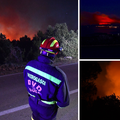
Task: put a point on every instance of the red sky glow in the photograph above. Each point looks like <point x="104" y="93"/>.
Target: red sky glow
<point x="104" y="19"/>
<point x="13" y="26"/>
<point x="26" y="17"/>
<point x="88" y="18"/>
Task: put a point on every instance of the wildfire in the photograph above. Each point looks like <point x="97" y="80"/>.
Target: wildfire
<point x="13" y="25"/>
<point x="104" y="19"/>
<point x="108" y="82"/>
<point x="110" y="26"/>
<point x="97" y="18"/>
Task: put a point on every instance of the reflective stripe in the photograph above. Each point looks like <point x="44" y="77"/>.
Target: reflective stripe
<point x="49" y="52"/>
<point x="32" y="118"/>
<point x="43" y="41"/>
<point x="31" y="94"/>
<point x="46" y="102"/>
<point x="43" y="74"/>
<point x="53" y="43"/>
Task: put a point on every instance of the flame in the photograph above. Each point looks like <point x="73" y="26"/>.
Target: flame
<point x="104" y="19"/>
<point x="113" y="75"/>
<point x="108" y="82"/>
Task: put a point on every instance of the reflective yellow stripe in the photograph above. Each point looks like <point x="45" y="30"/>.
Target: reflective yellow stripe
<point x="43" y="74"/>
<point x="48" y="102"/>
<point x="53" y="43"/>
<point x="32" y="118"/>
<point x="43" y="41"/>
<point x="31" y="94"/>
<point x="49" y="52"/>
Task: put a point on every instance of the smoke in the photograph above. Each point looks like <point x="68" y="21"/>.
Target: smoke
<point x="88" y="18"/>
<point x="26" y="17"/>
<point x="13" y="25"/>
<point x="108" y="82"/>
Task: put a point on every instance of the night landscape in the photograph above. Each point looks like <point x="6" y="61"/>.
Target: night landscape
<point x="99" y="31"/>
<point x="24" y="25"/>
<point x="99" y="60"/>
<point x="99" y="90"/>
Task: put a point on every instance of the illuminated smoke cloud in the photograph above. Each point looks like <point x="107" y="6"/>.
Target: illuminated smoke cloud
<point x="26" y="17"/>
<point x="15" y="23"/>
<point x="108" y="82"/>
<point x="12" y="25"/>
<point x="88" y="18"/>
<point x="104" y="19"/>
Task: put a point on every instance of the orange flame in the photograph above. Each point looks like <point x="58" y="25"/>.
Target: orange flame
<point x="108" y="82"/>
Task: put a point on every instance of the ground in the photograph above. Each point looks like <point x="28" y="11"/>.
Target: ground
<point x="15" y="68"/>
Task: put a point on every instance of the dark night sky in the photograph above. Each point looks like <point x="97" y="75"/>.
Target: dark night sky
<point x="20" y="17"/>
<point x="104" y="6"/>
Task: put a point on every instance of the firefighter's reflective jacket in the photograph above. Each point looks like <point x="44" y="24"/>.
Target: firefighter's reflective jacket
<point x="46" y="83"/>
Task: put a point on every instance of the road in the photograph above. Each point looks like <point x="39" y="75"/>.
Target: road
<point x="14" y="99"/>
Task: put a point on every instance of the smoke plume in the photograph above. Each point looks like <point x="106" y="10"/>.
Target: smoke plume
<point x="108" y="82"/>
<point x="26" y="17"/>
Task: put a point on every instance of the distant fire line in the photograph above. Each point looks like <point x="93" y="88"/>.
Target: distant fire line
<point x="110" y="26"/>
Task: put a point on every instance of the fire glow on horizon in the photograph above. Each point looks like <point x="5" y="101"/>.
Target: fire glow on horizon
<point x="13" y="26"/>
<point x="26" y="17"/>
<point x="104" y="19"/>
<point x="108" y="81"/>
<point x="97" y="18"/>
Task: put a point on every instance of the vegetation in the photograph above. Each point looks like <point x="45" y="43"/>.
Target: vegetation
<point x="26" y="49"/>
<point x="87" y="77"/>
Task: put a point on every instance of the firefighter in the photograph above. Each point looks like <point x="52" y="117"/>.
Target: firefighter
<point x="46" y="84"/>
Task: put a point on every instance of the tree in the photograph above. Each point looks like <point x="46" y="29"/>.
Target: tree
<point x="4" y="48"/>
<point x="39" y="36"/>
<point x="34" y="50"/>
<point x="89" y="72"/>
<point x="25" y="45"/>
<point x="2" y="37"/>
<point x="68" y="39"/>
<point x="15" y="55"/>
<point x="70" y="45"/>
<point x="50" y="31"/>
<point x="106" y="108"/>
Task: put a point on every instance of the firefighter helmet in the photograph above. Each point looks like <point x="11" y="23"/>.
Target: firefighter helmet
<point x="50" y="47"/>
